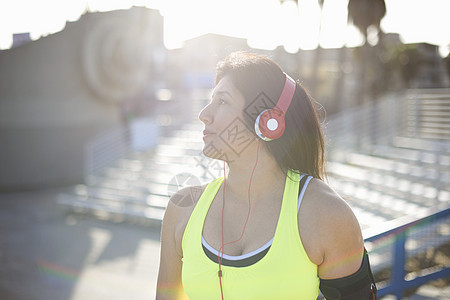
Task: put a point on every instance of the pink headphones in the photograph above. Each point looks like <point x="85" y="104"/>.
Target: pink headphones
<point x="269" y="125"/>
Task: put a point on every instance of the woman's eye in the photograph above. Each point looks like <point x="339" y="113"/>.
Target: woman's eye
<point x="222" y="101"/>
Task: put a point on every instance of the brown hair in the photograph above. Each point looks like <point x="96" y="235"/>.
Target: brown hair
<point x="301" y="147"/>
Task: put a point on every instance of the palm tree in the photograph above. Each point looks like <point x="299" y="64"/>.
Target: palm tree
<point x="365" y="14"/>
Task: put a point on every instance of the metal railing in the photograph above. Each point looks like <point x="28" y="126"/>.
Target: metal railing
<point x="406" y="240"/>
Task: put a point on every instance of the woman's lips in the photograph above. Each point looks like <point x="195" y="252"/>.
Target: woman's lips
<point x="207" y="133"/>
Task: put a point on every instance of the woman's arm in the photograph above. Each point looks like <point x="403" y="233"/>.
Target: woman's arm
<point x="177" y="214"/>
<point x="341" y="241"/>
<point x="330" y="232"/>
<point x="333" y="240"/>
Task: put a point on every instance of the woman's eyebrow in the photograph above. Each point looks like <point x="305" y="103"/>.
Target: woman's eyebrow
<point x="221" y="93"/>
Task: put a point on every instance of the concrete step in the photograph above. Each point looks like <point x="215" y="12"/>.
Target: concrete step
<point x="414" y="156"/>
<point x="116" y="195"/>
<point x="111" y="210"/>
<point x="374" y="207"/>
<point x="164" y="172"/>
<point x="431" y="174"/>
<point x="388" y="183"/>
<point x="422" y="144"/>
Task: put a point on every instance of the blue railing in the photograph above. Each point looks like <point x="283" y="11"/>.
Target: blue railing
<point x="398" y="283"/>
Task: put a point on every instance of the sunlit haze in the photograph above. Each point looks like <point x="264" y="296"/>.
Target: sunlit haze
<point x="265" y="23"/>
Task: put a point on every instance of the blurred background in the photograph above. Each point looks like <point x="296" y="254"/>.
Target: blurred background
<point x="98" y="127"/>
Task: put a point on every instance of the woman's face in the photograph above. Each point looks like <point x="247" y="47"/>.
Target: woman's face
<point x="226" y="136"/>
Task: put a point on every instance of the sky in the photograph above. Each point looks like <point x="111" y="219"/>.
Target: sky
<point x="265" y="23"/>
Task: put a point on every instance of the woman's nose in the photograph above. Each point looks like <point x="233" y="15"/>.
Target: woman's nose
<point x="205" y="115"/>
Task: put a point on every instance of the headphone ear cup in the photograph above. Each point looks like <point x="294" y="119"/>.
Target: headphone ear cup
<point x="270" y="124"/>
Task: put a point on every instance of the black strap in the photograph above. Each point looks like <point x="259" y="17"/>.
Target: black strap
<point x="301" y="184"/>
<point x="245" y="262"/>
<point x="358" y="286"/>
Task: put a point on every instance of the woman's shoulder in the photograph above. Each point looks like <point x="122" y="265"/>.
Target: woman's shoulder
<point x="178" y="211"/>
<point x="325" y="202"/>
<point x="182" y="203"/>
<point x="187" y="196"/>
<point x="330" y="224"/>
<point x="184" y="200"/>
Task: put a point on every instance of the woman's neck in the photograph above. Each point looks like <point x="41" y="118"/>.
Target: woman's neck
<point x="267" y="176"/>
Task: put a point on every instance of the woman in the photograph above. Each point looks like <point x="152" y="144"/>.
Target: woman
<point x="270" y="228"/>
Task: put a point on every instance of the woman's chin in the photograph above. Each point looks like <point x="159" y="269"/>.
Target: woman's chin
<point x="214" y="153"/>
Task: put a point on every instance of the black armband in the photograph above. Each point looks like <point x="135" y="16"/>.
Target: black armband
<point x="358" y="286"/>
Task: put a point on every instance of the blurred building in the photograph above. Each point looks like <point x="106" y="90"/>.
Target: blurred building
<point x="59" y="92"/>
<point x="428" y="68"/>
<point x="193" y="66"/>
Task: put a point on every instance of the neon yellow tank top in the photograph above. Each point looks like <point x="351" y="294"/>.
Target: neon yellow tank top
<point x="285" y="272"/>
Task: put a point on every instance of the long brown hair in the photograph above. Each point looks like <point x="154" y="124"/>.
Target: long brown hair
<point x="301" y="147"/>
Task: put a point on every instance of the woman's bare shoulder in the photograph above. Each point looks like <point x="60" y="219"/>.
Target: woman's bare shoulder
<point x="182" y="203"/>
<point x="323" y="202"/>
<point x="187" y="197"/>
<point x="331" y="225"/>
<point x="178" y="212"/>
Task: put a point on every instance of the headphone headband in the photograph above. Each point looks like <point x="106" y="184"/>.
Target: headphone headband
<point x="287" y="94"/>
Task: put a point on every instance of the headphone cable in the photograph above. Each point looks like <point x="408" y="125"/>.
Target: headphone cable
<point x="220" y="256"/>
